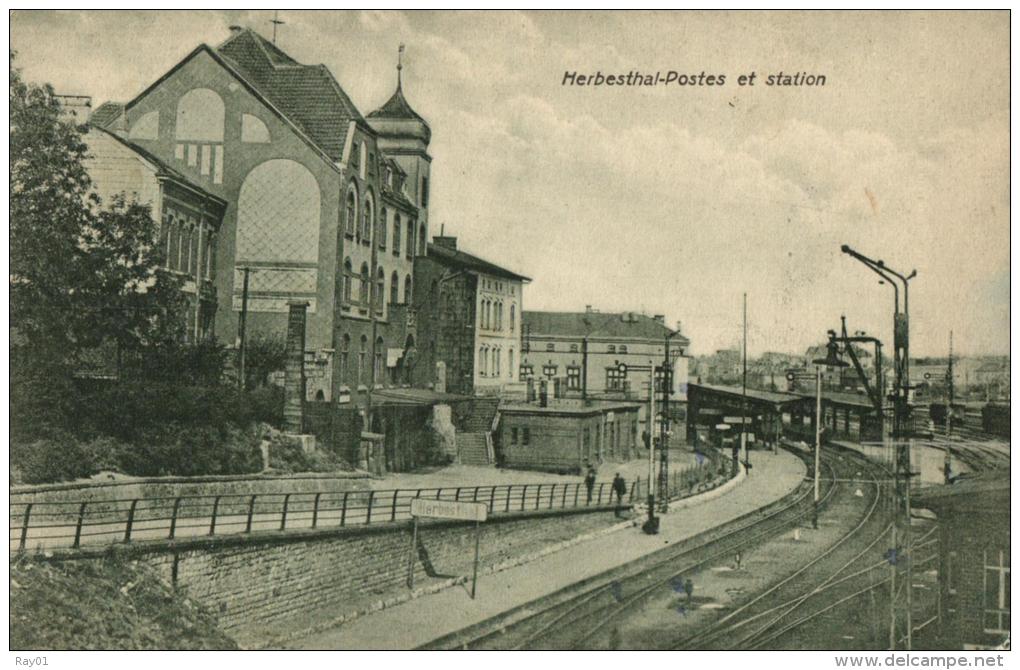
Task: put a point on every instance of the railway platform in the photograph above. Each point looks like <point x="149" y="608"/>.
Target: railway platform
<point x="421" y="620"/>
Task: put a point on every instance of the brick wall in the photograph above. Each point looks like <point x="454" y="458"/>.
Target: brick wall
<point x="268" y="585"/>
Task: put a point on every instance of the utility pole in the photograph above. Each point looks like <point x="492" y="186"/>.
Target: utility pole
<point x="651" y="527"/>
<point x="949" y="389"/>
<point x="242" y="326"/>
<point x="667" y="383"/>
<point x="743" y="402"/>
<point x="584" y="370"/>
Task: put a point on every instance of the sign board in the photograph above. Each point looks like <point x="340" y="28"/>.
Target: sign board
<point x="448" y="509"/>
<point x="736" y="420"/>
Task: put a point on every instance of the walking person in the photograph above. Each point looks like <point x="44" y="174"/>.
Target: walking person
<point x="619" y="488"/>
<point x="589" y="482"/>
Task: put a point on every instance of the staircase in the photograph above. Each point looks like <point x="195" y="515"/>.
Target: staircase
<point x="474" y="434"/>
<point x="481" y="416"/>
<point x="472" y="448"/>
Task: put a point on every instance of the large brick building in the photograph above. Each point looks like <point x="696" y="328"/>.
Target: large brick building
<point x="468" y="315"/>
<point x="324" y="205"/>
<point x="189" y="217"/>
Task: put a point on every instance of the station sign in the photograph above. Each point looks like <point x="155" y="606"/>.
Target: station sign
<point x="449" y="509"/>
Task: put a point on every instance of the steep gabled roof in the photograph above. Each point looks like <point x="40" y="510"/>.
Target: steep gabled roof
<point x="308" y="95"/>
<point x="162" y="168"/>
<point x="599" y="324"/>
<point x="466" y="261"/>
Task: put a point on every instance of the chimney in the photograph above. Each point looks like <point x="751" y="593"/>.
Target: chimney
<point x="661" y="318"/>
<point x="588" y="309"/>
<point x="679" y="326"/>
<point x="445" y="241"/>
<point x="235" y="29"/>
<point x="74" y="108"/>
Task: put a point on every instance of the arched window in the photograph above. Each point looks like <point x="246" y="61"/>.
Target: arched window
<point x="200" y="114"/>
<point x="380" y="289"/>
<point x="351" y="211"/>
<point x="510" y="365"/>
<point x="172" y="244"/>
<point x="182" y="247"/>
<point x="513" y="318"/>
<point x="382" y="229"/>
<point x="362" y="357"/>
<point x="363" y="292"/>
<point x="499" y="316"/>
<point x="407" y="289"/>
<point x="366" y="219"/>
<point x="482" y="355"/>
<point x="380" y="357"/>
<point x="410" y="239"/>
<point x="210" y="254"/>
<point x="348" y="279"/>
<point x="396" y="235"/>
<point x="196" y="236"/>
<point x="345" y="351"/>
<point x="394" y="288"/>
<point x="422" y="241"/>
<point x="495" y="361"/>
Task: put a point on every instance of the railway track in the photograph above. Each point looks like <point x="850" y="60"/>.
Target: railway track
<point x="587" y="615"/>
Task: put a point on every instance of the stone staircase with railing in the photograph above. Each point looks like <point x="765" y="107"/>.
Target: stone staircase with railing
<point x="474" y="433"/>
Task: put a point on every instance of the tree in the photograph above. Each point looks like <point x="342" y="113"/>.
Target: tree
<point x="80" y="275"/>
<point x="263" y="354"/>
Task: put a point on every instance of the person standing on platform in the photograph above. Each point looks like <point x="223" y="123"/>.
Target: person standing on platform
<point x="619" y="488"/>
<point x="589" y="482"/>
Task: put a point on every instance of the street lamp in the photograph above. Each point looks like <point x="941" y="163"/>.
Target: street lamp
<point x="831" y="360"/>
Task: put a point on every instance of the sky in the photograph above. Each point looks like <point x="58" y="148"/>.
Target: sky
<point x="667" y="200"/>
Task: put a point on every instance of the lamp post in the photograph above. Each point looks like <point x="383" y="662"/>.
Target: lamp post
<point x="831" y="360"/>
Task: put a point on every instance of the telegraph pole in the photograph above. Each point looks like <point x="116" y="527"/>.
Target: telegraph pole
<point x="743" y="402"/>
<point x="950" y="389"/>
<point x="667" y="375"/>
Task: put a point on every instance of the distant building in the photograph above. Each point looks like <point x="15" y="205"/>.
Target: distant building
<point x="603" y="356"/>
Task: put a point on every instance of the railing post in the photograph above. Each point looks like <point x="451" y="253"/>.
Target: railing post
<point x="577" y="493"/>
<point x="24" y="527"/>
<point x="130" y="520"/>
<point x="283" y="516"/>
<point x="77" y="528"/>
<point x="251" y="513"/>
<point x="563" y="503"/>
<point x="508" y="490"/>
<point x="315" y="510"/>
<point x="524" y="494"/>
<point x="492" y="500"/>
<point x="538" y="496"/>
<point x="212" y="521"/>
<point x="439" y="493"/>
<point x="368" y="512"/>
<point x="343" y="509"/>
<point x="173" y="518"/>
<point x="552" y="494"/>
<point x="457" y="495"/>
<point x="474" y="498"/>
<point x="601" y="486"/>
<point x="393" y="515"/>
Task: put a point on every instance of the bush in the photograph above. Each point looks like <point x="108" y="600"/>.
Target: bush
<point x="51" y="460"/>
<point x="266" y="404"/>
<point x="286" y="455"/>
<point x="189" y="451"/>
